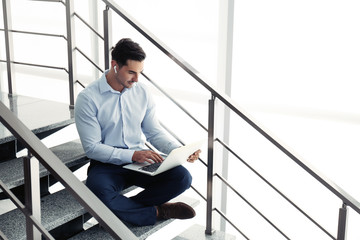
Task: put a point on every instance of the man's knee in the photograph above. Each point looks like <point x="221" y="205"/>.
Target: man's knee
<point x="185" y="177"/>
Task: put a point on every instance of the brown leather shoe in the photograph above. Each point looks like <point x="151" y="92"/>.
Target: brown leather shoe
<point x="176" y="210"/>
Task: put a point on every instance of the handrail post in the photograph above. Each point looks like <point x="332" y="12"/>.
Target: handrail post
<point x="342" y="222"/>
<point x="107" y="36"/>
<point x="8" y="42"/>
<point x="32" y="195"/>
<point x="210" y="170"/>
<point x="70" y="32"/>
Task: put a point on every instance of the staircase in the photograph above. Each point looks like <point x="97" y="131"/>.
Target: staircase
<point x="65" y="219"/>
<point x="61" y="214"/>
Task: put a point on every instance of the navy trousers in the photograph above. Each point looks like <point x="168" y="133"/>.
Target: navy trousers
<point x="106" y="181"/>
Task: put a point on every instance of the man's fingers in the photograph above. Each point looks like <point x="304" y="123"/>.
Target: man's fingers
<point x="146" y="156"/>
<point x="194" y="156"/>
<point x="155" y="157"/>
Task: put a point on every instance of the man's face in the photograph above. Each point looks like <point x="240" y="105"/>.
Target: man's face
<point x="128" y="74"/>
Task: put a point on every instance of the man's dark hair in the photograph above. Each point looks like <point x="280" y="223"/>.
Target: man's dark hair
<point x="126" y="49"/>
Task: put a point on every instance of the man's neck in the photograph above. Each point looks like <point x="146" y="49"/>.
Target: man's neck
<point x="110" y="79"/>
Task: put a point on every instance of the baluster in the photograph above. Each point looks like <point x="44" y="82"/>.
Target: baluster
<point x="107" y="36"/>
<point x="342" y="222"/>
<point x="8" y="43"/>
<point x="210" y="172"/>
<point x="70" y="33"/>
<point x="32" y="195"/>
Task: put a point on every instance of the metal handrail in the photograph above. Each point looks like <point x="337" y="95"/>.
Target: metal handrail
<point x="89" y="26"/>
<point x="54" y="165"/>
<point x="251" y="205"/>
<point x="37" y="65"/>
<point x="227" y="101"/>
<point x="272" y="186"/>
<point x="36" y="33"/>
<point x="174" y="101"/>
<point x="231" y="223"/>
<point x="157" y="86"/>
<point x="244" y="162"/>
<point x="347" y="199"/>
<point x="91" y="61"/>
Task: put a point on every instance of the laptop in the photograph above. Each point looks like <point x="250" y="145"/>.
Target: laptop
<point x="176" y="157"/>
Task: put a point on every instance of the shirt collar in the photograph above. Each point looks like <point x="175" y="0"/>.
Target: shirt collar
<point x="105" y="87"/>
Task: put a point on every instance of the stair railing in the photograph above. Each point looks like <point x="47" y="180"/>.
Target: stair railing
<point x="54" y="165"/>
<point x="228" y="102"/>
<point x="215" y="96"/>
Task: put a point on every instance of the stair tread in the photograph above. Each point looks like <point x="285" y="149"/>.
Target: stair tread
<point x="53" y="214"/>
<point x="98" y="233"/>
<point x="25" y="107"/>
<point x="56" y="209"/>
<point x="70" y="153"/>
<point x="198" y="232"/>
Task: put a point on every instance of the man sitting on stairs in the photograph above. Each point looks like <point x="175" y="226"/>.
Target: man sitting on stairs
<point x="111" y="114"/>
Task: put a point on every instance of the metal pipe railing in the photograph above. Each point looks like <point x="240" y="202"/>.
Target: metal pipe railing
<point x="5" y="4"/>
<point x="230" y="222"/>
<point x="87" y="58"/>
<point x="35" y="222"/>
<point x="174" y="101"/>
<point x="340" y="193"/>
<point x="37" y="65"/>
<point x="88" y="25"/>
<point x="223" y="98"/>
<point x="107" y="37"/>
<point x="210" y="167"/>
<point x="75" y="187"/>
<point x="239" y="158"/>
<point x="36" y="33"/>
<point x="273" y="187"/>
<point x="32" y="194"/>
<point x="251" y="205"/>
<point x="342" y="222"/>
<point x="70" y="34"/>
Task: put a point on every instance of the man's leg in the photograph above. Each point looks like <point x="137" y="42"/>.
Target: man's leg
<point x="106" y="181"/>
<point x="162" y="187"/>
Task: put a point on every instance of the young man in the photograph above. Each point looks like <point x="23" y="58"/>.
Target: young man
<point x="112" y="114"/>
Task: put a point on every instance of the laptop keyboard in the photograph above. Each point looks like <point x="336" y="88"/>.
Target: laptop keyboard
<point x="152" y="167"/>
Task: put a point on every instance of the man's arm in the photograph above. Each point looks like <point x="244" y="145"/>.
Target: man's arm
<point x="153" y="131"/>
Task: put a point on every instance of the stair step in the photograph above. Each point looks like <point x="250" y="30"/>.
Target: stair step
<point x="198" y="232"/>
<point x="98" y="233"/>
<point x="70" y="153"/>
<point x="56" y="210"/>
<point x="34" y="113"/>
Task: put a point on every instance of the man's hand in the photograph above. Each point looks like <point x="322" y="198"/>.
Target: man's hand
<point x="146" y="156"/>
<point x="194" y="156"/>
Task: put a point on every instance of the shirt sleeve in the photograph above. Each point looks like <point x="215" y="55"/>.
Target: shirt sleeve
<point x="89" y="131"/>
<point x="153" y="131"/>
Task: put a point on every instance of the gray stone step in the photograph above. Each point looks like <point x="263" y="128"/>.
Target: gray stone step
<point x="41" y="116"/>
<point x="70" y="153"/>
<point x="56" y="209"/>
<point x="198" y="232"/>
<point x="98" y="233"/>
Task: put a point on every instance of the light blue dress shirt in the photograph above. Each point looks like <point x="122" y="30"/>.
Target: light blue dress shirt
<point x="112" y="125"/>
